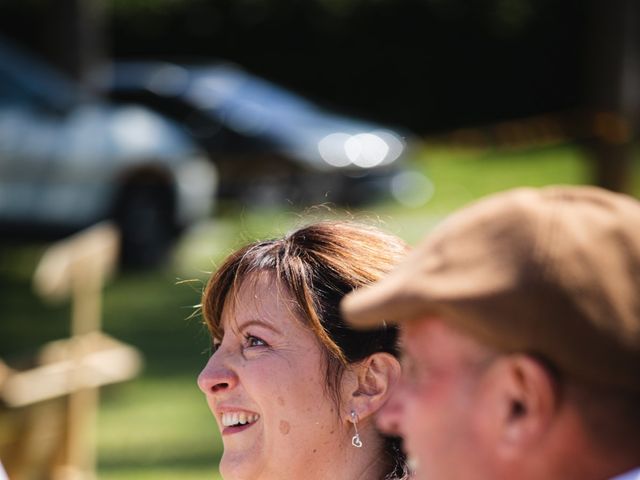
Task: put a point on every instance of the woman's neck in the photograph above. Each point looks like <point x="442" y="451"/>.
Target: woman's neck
<point x="366" y="463"/>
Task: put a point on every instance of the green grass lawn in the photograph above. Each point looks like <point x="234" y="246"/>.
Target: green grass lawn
<point x="158" y="426"/>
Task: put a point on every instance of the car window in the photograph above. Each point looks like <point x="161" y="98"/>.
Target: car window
<point x="28" y="81"/>
<point x="14" y="93"/>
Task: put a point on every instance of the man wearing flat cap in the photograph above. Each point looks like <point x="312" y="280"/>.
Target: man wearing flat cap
<point x="520" y="321"/>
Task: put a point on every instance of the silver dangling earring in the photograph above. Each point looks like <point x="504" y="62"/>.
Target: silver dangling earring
<point x="355" y="441"/>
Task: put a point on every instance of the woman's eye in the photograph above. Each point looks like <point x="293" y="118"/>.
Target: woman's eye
<point x="253" y="341"/>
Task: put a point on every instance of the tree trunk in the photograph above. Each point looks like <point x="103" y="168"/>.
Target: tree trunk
<point x="77" y="36"/>
<point x="613" y="100"/>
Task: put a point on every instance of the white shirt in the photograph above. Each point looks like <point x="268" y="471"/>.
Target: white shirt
<point x="3" y="474"/>
<point x="630" y="475"/>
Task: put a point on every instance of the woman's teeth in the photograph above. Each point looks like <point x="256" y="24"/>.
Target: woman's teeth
<point x="238" y="418"/>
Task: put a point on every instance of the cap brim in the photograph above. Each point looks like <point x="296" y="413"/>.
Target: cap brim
<point x="389" y="301"/>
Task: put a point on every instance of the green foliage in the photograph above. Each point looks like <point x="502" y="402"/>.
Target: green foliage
<point x="146" y="5"/>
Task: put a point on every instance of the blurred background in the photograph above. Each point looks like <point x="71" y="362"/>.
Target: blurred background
<point x="194" y="126"/>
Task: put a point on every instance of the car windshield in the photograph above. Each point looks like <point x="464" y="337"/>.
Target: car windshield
<point x="228" y="86"/>
<point x="238" y="98"/>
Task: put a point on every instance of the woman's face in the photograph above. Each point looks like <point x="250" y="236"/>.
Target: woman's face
<point x="265" y="385"/>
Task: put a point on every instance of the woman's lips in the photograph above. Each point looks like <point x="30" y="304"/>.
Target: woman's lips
<point x="235" y="421"/>
<point x="236" y="428"/>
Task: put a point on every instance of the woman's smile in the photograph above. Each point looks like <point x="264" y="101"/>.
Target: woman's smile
<point x="237" y="421"/>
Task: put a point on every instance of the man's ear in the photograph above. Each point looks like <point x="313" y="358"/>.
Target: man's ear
<point x="525" y="401"/>
<point x="375" y="377"/>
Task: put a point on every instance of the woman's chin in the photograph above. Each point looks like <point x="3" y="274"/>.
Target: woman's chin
<point x="238" y="466"/>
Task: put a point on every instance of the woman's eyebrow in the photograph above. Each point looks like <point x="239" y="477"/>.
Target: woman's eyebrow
<point x="258" y="323"/>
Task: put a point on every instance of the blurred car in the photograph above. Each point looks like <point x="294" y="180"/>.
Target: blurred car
<point x="268" y="143"/>
<point x="69" y="159"/>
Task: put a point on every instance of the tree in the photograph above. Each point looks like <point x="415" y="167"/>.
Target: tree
<point x="76" y="36"/>
<point x="613" y="100"/>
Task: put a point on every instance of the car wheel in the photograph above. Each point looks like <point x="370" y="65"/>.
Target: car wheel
<point x="145" y="217"/>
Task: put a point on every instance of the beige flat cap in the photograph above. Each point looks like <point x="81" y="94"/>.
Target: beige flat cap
<point x="552" y="271"/>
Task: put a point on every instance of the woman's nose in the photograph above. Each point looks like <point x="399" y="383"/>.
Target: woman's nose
<point x="216" y="377"/>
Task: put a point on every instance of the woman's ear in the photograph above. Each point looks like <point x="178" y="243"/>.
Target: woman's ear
<point x="375" y="377"/>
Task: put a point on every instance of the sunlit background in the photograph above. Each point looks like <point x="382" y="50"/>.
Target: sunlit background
<point x="185" y="128"/>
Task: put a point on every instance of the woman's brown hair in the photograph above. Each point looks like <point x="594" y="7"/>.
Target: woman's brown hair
<point x="317" y="265"/>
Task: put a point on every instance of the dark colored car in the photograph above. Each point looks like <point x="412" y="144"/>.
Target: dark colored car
<point x="69" y="159"/>
<point x="268" y="143"/>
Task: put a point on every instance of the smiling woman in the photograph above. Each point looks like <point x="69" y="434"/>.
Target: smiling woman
<point x="293" y="389"/>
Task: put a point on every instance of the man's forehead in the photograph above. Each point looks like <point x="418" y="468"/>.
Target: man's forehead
<point x="435" y="336"/>
<point x="419" y="324"/>
<point x="414" y="333"/>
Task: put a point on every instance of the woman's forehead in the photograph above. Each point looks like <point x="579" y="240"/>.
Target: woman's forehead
<point x="260" y="295"/>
